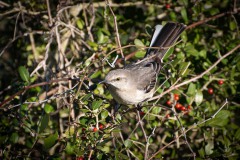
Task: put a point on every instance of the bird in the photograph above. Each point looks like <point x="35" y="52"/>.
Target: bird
<point x="136" y="82"/>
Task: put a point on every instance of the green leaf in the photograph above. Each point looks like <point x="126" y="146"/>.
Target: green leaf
<point x="169" y="52"/>
<point x="198" y="97"/>
<point x="24" y="74"/>
<point x="156" y="110"/>
<point x="232" y="25"/>
<point x="50" y="140"/>
<point x="100" y="36"/>
<point x="209" y="148"/>
<point x="69" y="149"/>
<point x="48" y="108"/>
<point x="86" y="97"/>
<point x="214" y="11"/>
<point x="83" y="121"/>
<point x="203" y="53"/>
<point x="184" y="15"/>
<point x="128" y="143"/>
<point x="140" y="54"/>
<point x="96" y="74"/>
<point x="14" y="137"/>
<point x="138" y="42"/>
<point x="104" y="114"/>
<point x="44" y="123"/>
<point x="191" y="50"/>
<point x="80" y="23"/>
<point x="191" y="89"/>
<point x="96" y="104"/>
<point x="148" y="30"/>
<point x="220" y="120"/>
<point x="237" y="134"/>
<point x="183" y="67"/>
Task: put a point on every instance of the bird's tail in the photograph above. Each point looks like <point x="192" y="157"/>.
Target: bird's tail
<point x="164" y="37"/>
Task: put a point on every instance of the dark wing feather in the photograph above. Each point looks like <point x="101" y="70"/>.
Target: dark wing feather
<point x="166" y="38"/>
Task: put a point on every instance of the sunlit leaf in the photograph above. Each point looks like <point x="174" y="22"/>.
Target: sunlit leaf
<point x="140" y="54"/>
<point x="50" y="140"/>
<point x="221" y="119"/>
<point x="191" y="89"/>
<point x="24" y="74"/>
<point x="209" y="148"/>
<point x="104" y="114"/>
<point x="183" y="67"/>
<point x="96" y="104"/>
<point x="184" y="15"/>
<point x="199" y="97"/>
<point x="48" y="108"/>
<point x="100" y="36"/>
<point x="128" y="143"/>
<point x="138" y="42"/>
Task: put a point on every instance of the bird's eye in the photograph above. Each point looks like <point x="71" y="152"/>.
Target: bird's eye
<point x="118" y="79"/>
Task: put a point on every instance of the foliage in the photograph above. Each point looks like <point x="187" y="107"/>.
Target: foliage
<point x="52" y="106"/>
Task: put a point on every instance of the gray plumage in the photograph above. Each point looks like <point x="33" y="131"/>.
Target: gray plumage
<point x="136" y="82"/>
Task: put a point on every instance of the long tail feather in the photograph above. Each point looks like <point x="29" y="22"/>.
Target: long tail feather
<point x="164" y="37"/>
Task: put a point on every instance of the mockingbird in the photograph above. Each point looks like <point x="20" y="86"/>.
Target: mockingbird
<point x="136" y="82"/>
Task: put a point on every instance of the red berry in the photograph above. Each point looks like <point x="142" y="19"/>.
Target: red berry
<point x="210" y="90"/>
<point x="178" y="106"/>
<point x="220" y="82"/>
<point x="169" y="103"/>
<point x="167" y="6"/>
<point x="95" y="129"/>
<point x="189" y="107"/>
<point x="83" y="129"/>
<point x="176" y="97"/>
<point x="80" y="158"/>
<point x="101" y="126"/>
<point x="182" y="108"/>
<point x="142" y="113"/>
<point x="167" y="115"/>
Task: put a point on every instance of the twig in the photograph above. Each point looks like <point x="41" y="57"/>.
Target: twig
<point x="49" y="13"/>
<point x="147" y="145"/>
<point x="184" y="133"/>
<point x="141" y="125"/>
<point x="212" y="18"/>
<point x="20" y="36"/>
<point x="197" y="77"/>
<point x="190" y="128"/>
<point x="33" y="86"/>
<point x="116" y="29"/>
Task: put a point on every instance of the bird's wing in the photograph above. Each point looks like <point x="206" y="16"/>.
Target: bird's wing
<point x="145" y="75"/>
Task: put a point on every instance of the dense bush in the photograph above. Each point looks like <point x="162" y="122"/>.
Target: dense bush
<point x="54" y="54"/>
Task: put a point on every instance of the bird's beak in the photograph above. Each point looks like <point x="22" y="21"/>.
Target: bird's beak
<point x="103" y="82"/>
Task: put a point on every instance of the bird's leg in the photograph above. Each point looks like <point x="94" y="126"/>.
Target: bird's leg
<point x="139" y="106"/>
<point x="116" y="108"/>
<point x="124" y="61"/>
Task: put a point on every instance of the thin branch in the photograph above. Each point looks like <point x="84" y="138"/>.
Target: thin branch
<point x="147" y="145"/>
<point x="184" y="133"/>
<point x="212" y="18"/>
<point x="197" y="77"/>
<point x="141" y="125"/>
<point x="49" y="13"/>
<point x="190" y="128"/>
<point x="33" y="86"/>
<point x="116" y="29"/>
<point x="20" y="36"/>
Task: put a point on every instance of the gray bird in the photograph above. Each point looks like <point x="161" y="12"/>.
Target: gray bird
<point x="136" y="82"/>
